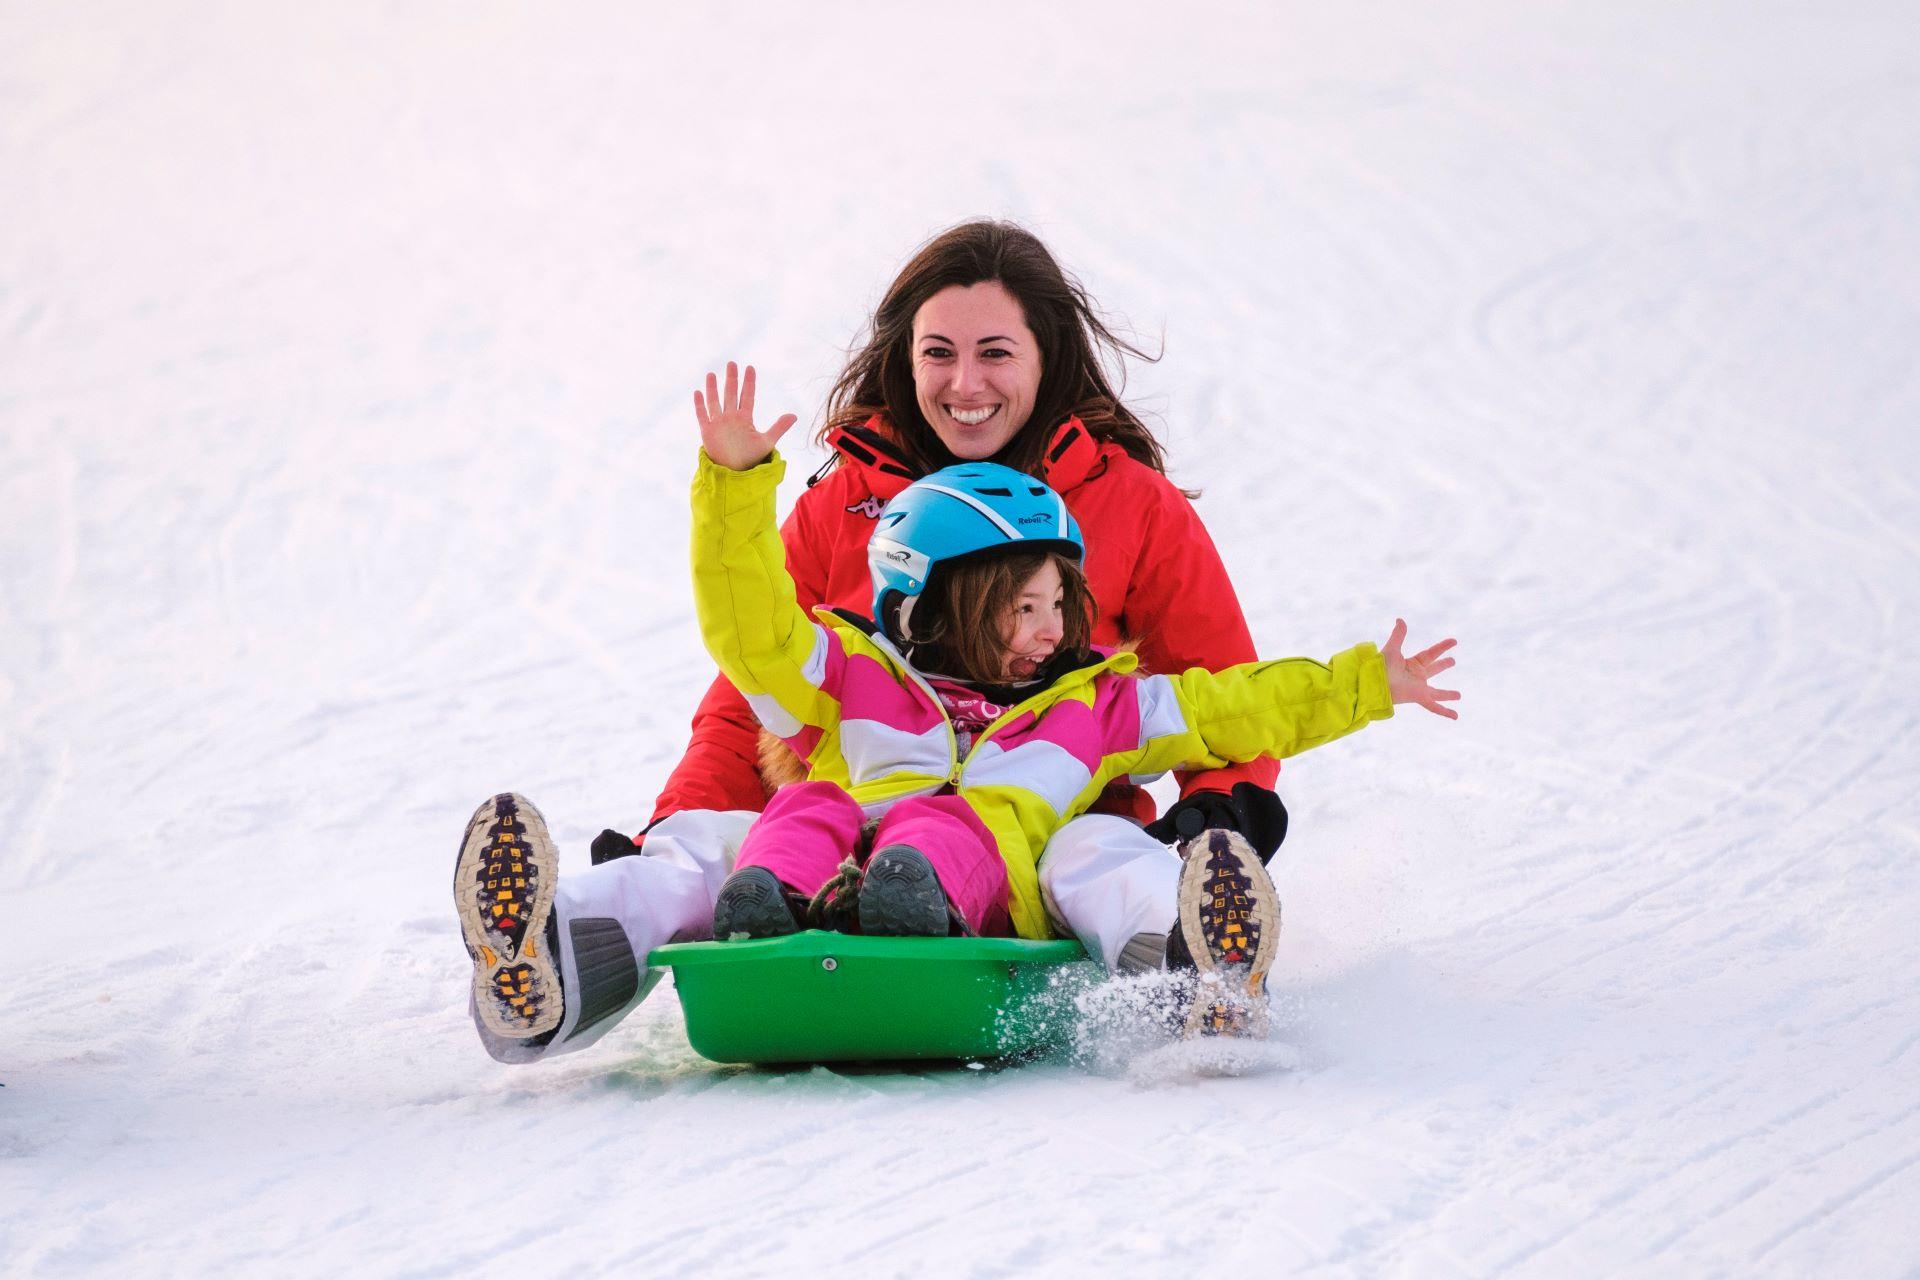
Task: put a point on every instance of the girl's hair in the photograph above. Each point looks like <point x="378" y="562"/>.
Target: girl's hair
<point x="959" y="622"/>
<point x="878" y="377"/>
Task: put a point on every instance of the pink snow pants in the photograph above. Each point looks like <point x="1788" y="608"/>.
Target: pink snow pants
<point x="809" y="827"/>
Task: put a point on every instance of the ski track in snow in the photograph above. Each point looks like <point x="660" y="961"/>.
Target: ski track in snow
<point x="344" y="361"/>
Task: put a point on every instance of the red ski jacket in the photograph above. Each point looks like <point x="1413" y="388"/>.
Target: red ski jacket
<point x="1155" y="575"/>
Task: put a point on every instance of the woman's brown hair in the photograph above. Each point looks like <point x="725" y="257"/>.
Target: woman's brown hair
<point x="1072" y="337"/>
<point x="958" y="623"/>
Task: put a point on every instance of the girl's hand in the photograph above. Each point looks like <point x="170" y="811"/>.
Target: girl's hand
<point x="726" y="425"/>
<point x="1407" y="677"/>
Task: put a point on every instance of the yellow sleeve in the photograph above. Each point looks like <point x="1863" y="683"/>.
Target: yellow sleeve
<point x="749" y="617"/>
<point x="1208" y="719"/>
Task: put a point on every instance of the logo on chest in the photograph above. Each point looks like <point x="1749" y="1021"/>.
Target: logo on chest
<point x="869" y="506"/>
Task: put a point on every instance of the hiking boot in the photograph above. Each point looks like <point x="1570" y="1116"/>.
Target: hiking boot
<point x="503" y="889"/>
<point x="752" y="903"/>
<point x="901" y="897"/>
<point x="1228" y="925"/>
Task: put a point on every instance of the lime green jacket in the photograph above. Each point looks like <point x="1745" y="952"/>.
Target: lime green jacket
<point x="858" y="713"/>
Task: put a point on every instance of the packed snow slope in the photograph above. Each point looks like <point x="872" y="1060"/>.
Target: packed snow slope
<point x="346" y="354"/>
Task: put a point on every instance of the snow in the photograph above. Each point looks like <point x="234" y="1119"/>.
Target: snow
<point x="345" y="365"/>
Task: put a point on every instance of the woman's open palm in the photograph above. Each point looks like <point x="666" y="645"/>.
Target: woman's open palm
<point x="727" y="432"/>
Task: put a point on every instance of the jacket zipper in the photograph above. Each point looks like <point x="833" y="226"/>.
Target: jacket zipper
<point x="956" y="767"/>
<point x="1017" y="709"/>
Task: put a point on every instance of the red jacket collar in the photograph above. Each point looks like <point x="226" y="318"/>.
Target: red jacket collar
<point x="1072" y="456"/>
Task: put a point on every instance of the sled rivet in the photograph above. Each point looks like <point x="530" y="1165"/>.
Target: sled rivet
<point x="829" y="964"/>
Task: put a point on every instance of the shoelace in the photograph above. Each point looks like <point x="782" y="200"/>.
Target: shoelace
<point x="836" y="906"/>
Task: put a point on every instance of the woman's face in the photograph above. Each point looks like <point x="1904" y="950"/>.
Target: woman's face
<point x="976" y="368"/>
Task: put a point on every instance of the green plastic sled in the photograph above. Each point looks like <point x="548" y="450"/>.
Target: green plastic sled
<point x="836" y="997"/>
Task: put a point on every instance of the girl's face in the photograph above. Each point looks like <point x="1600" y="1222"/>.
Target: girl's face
<point x="976" y="368"/>
<point x="1033" y="624"/>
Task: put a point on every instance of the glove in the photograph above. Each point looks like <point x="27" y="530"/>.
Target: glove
<point x="1253" y="811"/>
<point x="610" y="844"/>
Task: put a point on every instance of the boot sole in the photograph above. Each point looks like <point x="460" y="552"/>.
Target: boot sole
<point x="901" y="897"/>
<point x="752" y="903"/>
<point x="516" y="988"/>
<point x="1230" y="917"/>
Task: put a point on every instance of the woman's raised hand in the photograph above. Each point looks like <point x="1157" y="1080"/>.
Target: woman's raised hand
<point x="726" y="423"/>
<point x="1407" y="677"/>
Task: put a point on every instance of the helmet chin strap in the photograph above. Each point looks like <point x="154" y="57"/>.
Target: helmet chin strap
<point x="903" y="618"/>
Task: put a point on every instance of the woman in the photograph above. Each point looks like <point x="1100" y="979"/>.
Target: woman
<point x="981" y="349"/>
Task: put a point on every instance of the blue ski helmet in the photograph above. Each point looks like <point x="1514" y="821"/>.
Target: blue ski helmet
<point x="973" y="509"/>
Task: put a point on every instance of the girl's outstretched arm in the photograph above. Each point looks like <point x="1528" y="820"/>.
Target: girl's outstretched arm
<point x="1278" y="707"/>
<point x="727" y="432"/>
<point x="1407" y="677"/>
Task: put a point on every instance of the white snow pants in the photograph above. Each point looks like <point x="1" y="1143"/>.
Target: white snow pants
<point x="1102" y="878"/>
<point x="1105" y="880"/>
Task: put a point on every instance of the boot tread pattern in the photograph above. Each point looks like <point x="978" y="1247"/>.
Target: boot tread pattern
<point x="901" y="897"/>
<point x="1229" y="915"/>
<point x="503" y="888"/>
<point x="752" y="904"/>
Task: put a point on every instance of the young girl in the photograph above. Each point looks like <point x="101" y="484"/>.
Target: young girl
<point x="970" y="716"/>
